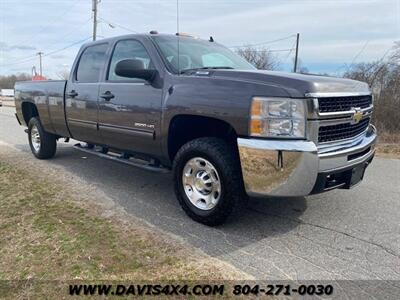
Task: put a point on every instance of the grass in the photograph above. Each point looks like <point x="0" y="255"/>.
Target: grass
<point x="47" y="235"/>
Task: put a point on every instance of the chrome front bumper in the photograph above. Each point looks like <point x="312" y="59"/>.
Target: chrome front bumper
<point x="298" y="168"/>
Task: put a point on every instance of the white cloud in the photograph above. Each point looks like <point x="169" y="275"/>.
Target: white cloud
<point x="332" y="32"/>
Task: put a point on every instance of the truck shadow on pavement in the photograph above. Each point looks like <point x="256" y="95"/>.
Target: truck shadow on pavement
<point x="150" y="196"/>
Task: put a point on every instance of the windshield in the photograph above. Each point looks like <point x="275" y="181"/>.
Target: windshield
<point x="198" y="54"/>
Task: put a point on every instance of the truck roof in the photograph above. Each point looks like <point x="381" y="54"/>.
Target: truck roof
<point x="138" y="35"/>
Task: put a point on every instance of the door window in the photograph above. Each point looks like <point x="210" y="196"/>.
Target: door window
<point x="91" y="63"/>
<point x="128" y="49"/>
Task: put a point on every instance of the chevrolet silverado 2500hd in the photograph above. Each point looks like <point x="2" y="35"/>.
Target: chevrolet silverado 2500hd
<point x="225" y="129"/>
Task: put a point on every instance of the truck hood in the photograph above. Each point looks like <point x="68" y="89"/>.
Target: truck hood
<point x="296" y="85"/>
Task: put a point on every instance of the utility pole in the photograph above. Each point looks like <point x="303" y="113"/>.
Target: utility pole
<point x="40" y="63"/>
<point x="297" y="53"/>
<point x="94" y="9"/>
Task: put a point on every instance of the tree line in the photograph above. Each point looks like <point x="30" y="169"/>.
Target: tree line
<point x="8" y="82"/>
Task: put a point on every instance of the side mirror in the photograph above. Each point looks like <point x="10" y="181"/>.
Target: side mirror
<point x="134" y="68"/>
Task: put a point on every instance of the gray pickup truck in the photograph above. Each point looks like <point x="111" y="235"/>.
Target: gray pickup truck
<point x="226" y="130"/>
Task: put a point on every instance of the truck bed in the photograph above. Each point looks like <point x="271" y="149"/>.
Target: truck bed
<point x="48" y="96"/>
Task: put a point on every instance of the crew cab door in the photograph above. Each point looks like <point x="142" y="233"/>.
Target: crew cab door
<point x="82" y="94"/>
<point x="129" y="108"/>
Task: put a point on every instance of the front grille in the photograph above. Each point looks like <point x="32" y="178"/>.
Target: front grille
<point x="341" y="131"/>
<point x="335" y="104"/>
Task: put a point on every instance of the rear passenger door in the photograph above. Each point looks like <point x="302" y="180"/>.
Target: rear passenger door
<point x="82" y="94"/>
<point x="130" y="120"/>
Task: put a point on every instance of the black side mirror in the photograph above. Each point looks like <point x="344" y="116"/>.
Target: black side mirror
<point x="134" y="68"/>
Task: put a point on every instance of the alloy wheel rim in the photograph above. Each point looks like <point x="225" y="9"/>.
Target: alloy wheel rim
<point x="35" y="138"/>
<point x="201" y="183"/>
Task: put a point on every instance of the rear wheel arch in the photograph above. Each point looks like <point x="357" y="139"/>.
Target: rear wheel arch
<point x="184" y="128"/>
<point x="29" y="111"/>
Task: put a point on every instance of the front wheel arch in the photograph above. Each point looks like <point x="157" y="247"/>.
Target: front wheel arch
<point x="184" y="128"/>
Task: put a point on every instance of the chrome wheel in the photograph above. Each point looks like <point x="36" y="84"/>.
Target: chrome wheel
<point x="201" y="183"/>
<point x="35" y="138"/>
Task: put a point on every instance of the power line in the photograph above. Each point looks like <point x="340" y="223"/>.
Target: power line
<point x="381" y="59"/>
<point x="113" y="24"/>
<point x="290" y="52"/>
<point x="75" y="28"/>
<point x="372" y="65"/>
<point x="66" y="47"/>
<point x="49" y="53"/>
<point x="56" y="20"/>
<point x="272" y="50"/>
<point x="22" y="60"/>
<point x="265" y="43"/>
<point x="357" y="55"/>
<point x="29" y="57"/>
<point x="42" y="29"/>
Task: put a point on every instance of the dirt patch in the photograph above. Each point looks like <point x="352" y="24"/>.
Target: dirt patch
<point x="388" y="150"/>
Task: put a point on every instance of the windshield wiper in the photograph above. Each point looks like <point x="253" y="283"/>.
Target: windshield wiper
<point x="204" y="68"/>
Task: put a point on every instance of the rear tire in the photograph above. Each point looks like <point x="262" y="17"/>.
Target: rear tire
<point x="208" y="180"/>
<point x="43" y="144"/>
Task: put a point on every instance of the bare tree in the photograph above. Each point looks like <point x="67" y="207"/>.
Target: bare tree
<point x="8" y="82"/>
<point x="396" y="52"/>
<point x="383" y="76"/>
<point x="301" y="68"/>
<point x="260" y="58"/>
<point x="63" y="74"/>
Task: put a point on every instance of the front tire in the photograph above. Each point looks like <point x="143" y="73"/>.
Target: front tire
<point x="43" y="144"/>
<point x="208" y="180"/>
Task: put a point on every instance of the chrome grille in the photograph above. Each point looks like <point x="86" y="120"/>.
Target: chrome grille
<point x="341" y="131"/>
<point x="346" y="103"/>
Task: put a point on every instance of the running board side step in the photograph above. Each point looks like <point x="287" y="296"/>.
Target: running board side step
<point x="139" y="163"/>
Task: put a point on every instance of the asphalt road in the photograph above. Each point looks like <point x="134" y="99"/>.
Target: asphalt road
<point x="343" y="234"/>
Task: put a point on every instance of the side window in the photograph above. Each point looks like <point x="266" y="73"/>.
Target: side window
<point x="91" y="62"/>
<point x="128" y="49"/>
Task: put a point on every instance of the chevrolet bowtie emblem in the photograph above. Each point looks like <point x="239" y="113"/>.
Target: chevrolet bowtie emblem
<point x="357" y="116"/>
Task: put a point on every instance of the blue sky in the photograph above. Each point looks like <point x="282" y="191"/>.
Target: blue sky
<point x="333" y="33"/>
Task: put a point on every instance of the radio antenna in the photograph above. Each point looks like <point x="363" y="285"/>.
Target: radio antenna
<point x="177" y="34"/>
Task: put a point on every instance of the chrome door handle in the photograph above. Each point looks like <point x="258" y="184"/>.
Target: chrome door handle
<point x="107" y="96"/>
<point x="72" y="94"/>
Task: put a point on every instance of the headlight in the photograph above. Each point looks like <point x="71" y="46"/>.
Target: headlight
<point x="277" y="117"/>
